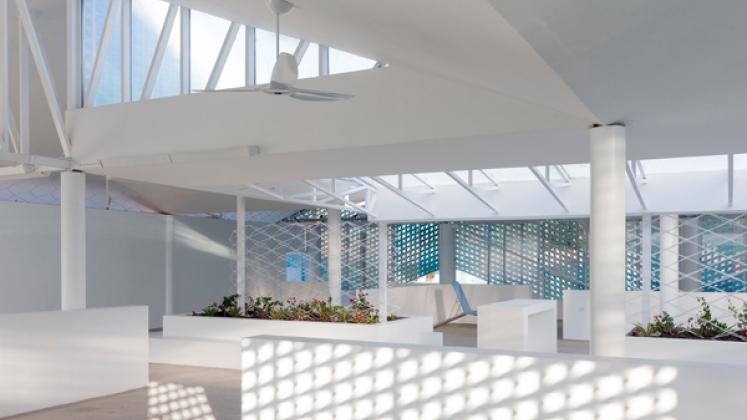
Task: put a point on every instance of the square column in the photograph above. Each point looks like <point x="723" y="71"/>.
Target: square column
<point x="73" y="240"/>
<point x="446" y="253"/>
<point x="607" y="240"/>
<point x="669" y="277"/>
<point x="334" y="255"/>
<point x="383" y="259"/>
<point x="241" y="252"/>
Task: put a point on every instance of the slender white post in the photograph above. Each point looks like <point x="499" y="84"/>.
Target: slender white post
<point x="669" y="272"/>
<point x="250" y="56"/>
<point x="607" y="240"/>
<point x="241" y="251"/>
<point x="73" y="240"/>
<point x="24" y="108"/>
<point x="169" y="266"/>
<point x="646" y="269"/>
<point x="383" y="258"/>
<point x="74" y="89"/>
<point x="4" y="94"/>
<point x="446" y="253"/>
<point x="126" y="50"/>
<point x="334" y="254"/>
<point x="185" y="39"/>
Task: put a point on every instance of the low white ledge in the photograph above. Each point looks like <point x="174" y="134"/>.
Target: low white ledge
<point x="519" y="325"/>
<point x="215" y="342"/>
<point x="60" y="357"/>
<point x="682" y="349"/>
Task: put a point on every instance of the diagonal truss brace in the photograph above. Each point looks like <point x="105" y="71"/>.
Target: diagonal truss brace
<point x="339" y="197"/>
<point x="472" y="191"/>
<point x="402" y="195"/>
<point x="541" y="178"/>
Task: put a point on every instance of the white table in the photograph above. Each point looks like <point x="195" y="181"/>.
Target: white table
<point x="519" y="325"/>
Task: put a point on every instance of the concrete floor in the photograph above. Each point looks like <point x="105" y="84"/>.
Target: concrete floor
<point x="175" y="393"/>
<point x="189" y="393"/>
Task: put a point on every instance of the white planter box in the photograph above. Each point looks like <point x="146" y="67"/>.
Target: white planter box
<point x="682" y="349"/>
<point x="187" y="339"/>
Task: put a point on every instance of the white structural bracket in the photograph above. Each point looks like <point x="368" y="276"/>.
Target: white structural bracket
<point x="634" y="184"/>
<point x="398" y="192"/>
<point x="472" y="191"/>
<point x="339" y="197"/>
<point x="548" y="187"/>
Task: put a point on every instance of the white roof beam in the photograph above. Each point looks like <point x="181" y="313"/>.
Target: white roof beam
<point x="220" y="61"/>
<point x="45" y="76"/>
<point x="280" y="197"/>
<point x="472" y="191"/>
<point x="300" y="52"/>
<point x="641" y="171"/>
<point x="339" y="197"/>
<point x="163" y="41"/>
<point x="424" y="182"/>
<point x="548" y="187"/>
<point x="634" y="184"/>
<point x="562" y="172"/>
<point x="402" y="195"/>
<point x="112" y="13"/>
<point x="489" y="178"/>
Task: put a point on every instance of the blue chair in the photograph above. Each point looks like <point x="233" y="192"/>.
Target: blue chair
<point x="463" y="303"/>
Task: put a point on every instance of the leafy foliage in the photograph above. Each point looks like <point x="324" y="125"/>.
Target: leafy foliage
<point x="703" y="326"/>
<point x="361" y="311"/>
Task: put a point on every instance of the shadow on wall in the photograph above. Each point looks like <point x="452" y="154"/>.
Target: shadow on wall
<point x="286" y="379"/>
<point x="191" y="237"/>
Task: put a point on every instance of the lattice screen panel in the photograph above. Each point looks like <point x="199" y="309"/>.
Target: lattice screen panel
<point x="414" y="252"/>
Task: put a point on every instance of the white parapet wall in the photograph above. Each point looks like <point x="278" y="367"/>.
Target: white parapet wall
<point x="704" y="351"/>
<point x="440" y="302"/>
<point x="285" y="378"/>
<point x="60" y="357"/>
<point x="216" y="342"/>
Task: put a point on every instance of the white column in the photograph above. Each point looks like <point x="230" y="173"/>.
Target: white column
<point x="73" y="239"/>
<point x="4" y="93"/>
<point x="241" y="251"/>
<point x="383" y="258"/>
<point x="169" y="266"/>
<point x="446" y="253"/>
<point x="646" y="269"/>
<point x="670" y="266"/>
<point x="334" y="254"/>
<point x="607" y="240"/>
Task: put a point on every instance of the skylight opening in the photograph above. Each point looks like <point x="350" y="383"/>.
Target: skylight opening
<point x="686" y="164"/>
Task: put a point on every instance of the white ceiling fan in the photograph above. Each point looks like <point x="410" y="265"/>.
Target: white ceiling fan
<point x="285" y="71"/>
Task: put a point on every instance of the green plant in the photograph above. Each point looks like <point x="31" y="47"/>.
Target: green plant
<point x="741" y="317"/>
<point x="662" y="326"/>
<point x="705" y="325"/>
<point x="361" y="311"/>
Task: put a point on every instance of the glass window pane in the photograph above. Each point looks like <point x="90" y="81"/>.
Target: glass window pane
<point x="344" y="62"/>
<point x="265" y="52"/>
<point x="207" y="35"/>
<point x="687" y="164"/>
<point x="94" y="16"/>
<point x="148" y="17"/>
<point x="309" y="66"/>
<point x="233" y="73"/>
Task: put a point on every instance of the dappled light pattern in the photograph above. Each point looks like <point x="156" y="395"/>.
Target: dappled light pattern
<point x="178" y="402"/>
<point x="285" y="379"/>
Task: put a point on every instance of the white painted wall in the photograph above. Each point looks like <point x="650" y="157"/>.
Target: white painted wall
<point x="60" y="357"/>
<point x="354" y="380"/>
<point x="126" y="260"/>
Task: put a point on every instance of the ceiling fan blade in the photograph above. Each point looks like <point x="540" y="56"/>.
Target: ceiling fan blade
<point x="317" y="95"/>
<point x="243" y="89"/>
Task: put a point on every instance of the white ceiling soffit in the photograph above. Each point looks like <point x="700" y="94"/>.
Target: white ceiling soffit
<point x="468" y="41"/>
<point x="672" y="70"/>
<point x="394" y="110"/>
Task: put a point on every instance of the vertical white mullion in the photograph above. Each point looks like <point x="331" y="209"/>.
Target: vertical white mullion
<point x="163" y="41"/>
<point x="241" y="251"/>
<point x="383" y="254"/>
<point x="4" y="94"/>
<point x="250" y="56"/>
<point x="126" y="43"/>
<point x="220" y="61"/>
<point x="98" y="65"/>
<point x="185" y="51"/>
<point x="74" y="64"/>
<point x="323" y="60"/>
<point x="23" y="94"/>
<point x="646" y="269"/>
<point x="730" y="181"/>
